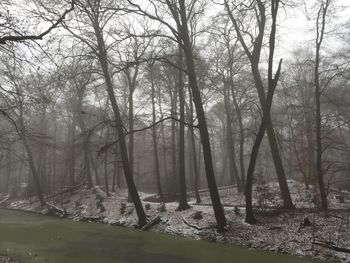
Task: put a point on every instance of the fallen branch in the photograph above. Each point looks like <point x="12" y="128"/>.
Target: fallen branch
<point x="332" y="247"/>
<point x="152" y="223"/>
<point x="71" y="189"/>
<point x="193" y="226"/>
<point x="6" y="199"/>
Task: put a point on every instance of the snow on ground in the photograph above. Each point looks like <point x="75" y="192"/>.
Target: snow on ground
<point x="277" y="230"/>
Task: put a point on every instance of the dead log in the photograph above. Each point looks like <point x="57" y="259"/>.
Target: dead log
<point x="331" y="246"/>
<point x="156" y="220"/>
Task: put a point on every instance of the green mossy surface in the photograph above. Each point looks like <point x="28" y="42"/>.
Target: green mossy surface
<point x="35" y="238"/>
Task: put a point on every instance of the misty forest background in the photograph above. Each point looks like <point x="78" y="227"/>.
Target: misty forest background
<point x="169" y="97"/>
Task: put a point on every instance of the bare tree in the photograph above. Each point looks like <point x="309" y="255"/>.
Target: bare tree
<point x="259" y="7"/>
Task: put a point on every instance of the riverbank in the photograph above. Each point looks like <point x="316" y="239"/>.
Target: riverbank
<point x="33" y="238"/>
<point x="278" y="231"/>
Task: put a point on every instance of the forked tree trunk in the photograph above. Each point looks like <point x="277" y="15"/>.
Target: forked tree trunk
<point x="254" y="57"/>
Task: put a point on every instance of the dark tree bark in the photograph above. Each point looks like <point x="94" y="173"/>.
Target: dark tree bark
<point x="106" y="172"/>
<point x="173" y="138"/>
<point x="203" y="129"/>
<point x="193" y="153"/>
<point x="154" y="135"/>
<point x="234" y="174"/>
<point x="320" y="28"/>
<point x="241" y="134"/>
<point x="254" y="58"/>
<point x="183" y="205"/>
<point x="71" y="147"/>
<point x="102" y="56"/>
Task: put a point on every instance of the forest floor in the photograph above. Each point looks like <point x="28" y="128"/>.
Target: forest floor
<point x="277" y="230"/>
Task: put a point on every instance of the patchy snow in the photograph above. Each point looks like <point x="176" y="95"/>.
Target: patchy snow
<point x="277" y="230"/>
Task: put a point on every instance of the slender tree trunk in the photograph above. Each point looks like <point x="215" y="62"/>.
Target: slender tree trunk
<point x="163" y="134"/>
<point x="87" y="167"/>
<point x="250" y="219"/>
<point x="115" y="168"/>
<point x="193" y="151"/>
<point x="54" y="165"/>
<point x="121" y="135"/>
<point x="32" y="166"/>
<point x="8" y="173"/>
<point x="93" y="163"/>
<point x="321" y="18"/>
<point x="106" y="172"/>
<point x="183" y="205"/>
<point x="241" y="134"/>
<point x="214" y="194"/>
<point x="230" y="142"/>
<point x="131" y="127"/>
<point x="154" y="136"/>
<point x="173" y="140"/>
<point x="72" y="150"/>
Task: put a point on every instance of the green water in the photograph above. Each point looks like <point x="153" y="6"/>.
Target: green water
<point x="35" y="238"/>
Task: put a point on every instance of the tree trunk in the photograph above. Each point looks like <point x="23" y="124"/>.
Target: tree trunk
<point x="8" y="173"/>
<point x="121" y="135"/>
<point x="241" y="134"/>
<point x="32" y="166"/>
<point x="320" y="33"/>
<point x="216" y="202"/>
<point x="173" y="140"/>
<point x="154" y="136"/>
<point x="106" y="172"/>
<point x="230" y="142"/>
<point x="183" y="205"/>
<point x="194" y="151"/>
